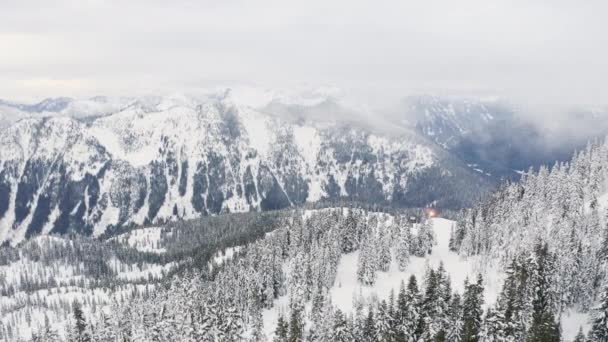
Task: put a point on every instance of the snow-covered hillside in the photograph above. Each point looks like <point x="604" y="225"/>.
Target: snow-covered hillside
<point x="144" y="239"/>
<point x="42" y="278"/>
<point x="347" y="289"/>
<point x="312" y="261"/>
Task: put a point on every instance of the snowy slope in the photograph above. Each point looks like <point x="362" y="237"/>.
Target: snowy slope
<point x="43" y="278"/>
<point x="347" y="287"/>
<point x="144" y="240"/>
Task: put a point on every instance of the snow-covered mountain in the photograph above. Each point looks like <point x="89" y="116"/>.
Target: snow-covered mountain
<point x="176" y="157"/>
<point x="495" y="137"/>
<point x="11" y="112"/>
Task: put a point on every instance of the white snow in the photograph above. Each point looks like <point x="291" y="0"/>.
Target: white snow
<point x="143" y="240"/>
<point x="228" y="254"/>
<point x="109" y="217"/>
<point x="258" y="131"/>
<point x="347" y="287"/>
<point x="459" y="269"/>
<point x="572" y="321"/>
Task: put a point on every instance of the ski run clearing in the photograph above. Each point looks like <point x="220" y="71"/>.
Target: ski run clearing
<point x="347" y="287"/>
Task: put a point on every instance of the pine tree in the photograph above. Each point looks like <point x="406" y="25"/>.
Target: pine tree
<point x="383" y="246"/>
<point x="282" y="330"/>
<point x="384" y="331"/>
<point x="544" y="326"/>
<point x="403" y="248"/>
<point x="580" y="337"/>
<point x="341" y="332"/>
<point x="367" y="264"/>
<point x="425" y="239"/>
<point x="104" y="331"/>
<point x="350" y="239"/>
<point x="493" y="327"/>
<point x="415" y="325"/>
<point x="257" y="329"/>
<point x="599" y="327"/>
<point x="369" y="328"/>
<point x="296" y="325"/>
<point x="430" y="309"/>
<point x="455" y="315"/>
<point x="472" y="308"/>
<point x="81" y="333"/>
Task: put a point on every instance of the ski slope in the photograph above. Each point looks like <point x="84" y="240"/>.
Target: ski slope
<point x="347" y="287"/>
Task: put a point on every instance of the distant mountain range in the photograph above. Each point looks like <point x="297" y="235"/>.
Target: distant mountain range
<point x="95" y="166"/>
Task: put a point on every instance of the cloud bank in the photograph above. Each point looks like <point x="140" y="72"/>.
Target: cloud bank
<point x="537" y="52"/>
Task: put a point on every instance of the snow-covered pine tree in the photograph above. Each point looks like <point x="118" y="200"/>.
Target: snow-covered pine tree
<point x="383" y="246"/>
<point x="350" y="237"/>
<point x="599" y="327"/>
<point x="544" y="326"/>
<point x="384" y="330"/>
<point x="580" y="336"/>
<point x="81" y="331"/>
<point x="456" y="324"/>
<point x="493" y="329"/>
<point x="104" y="331"/>
<point x="341" y="332"/>
<point x="425" y="239"/>
<point x="513" y="298"/>
<point x="369" y="328"/>
<point x="403" y="247"/>
<point x="257" y="327"/>
<point x="367" y="264"/>
<point x="282" y="330"/>
<point x="296" y="325"/>
<point x="473" y="312"/>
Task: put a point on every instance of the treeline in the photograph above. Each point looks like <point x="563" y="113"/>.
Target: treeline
<point x="430" y="311"/>
<point x="300" y="261"/>
<point x="227" y="303"/>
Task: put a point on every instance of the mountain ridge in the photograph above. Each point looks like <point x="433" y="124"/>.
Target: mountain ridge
<point x="161" y="159"/>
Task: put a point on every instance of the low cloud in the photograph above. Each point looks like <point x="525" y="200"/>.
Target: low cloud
<point x="545" y="55"/>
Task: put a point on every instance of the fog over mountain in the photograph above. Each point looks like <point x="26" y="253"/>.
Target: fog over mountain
<point x="303" y="171"/>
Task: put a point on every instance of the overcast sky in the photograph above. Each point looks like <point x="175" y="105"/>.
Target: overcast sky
<point x="543" y="51"/>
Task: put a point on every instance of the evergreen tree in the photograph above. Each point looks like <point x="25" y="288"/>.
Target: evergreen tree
<point x="282" y="331"/>
<point x="580" y="337"/>
<point x="257" y="329"/>
<point x="81" y="333"/>
<point x="367" y="264"/>
<point x="512" y="300"/>
<point x="599" y="327"/>
<point x="383" y="246"/>
<point x="493" y="327"/>
<point x="403" y="247"/>
<point x="544" y="327"/>
<point x="296" y="326"/>
<point x="369" y="328"/>
<point x="455" y="314"/>
<point x="472" y="307"/>
<point x="350" y="238"/>
<point x="425" y="239"/>
<point x="384" y="331"/>
<point x="341" y="332"/>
